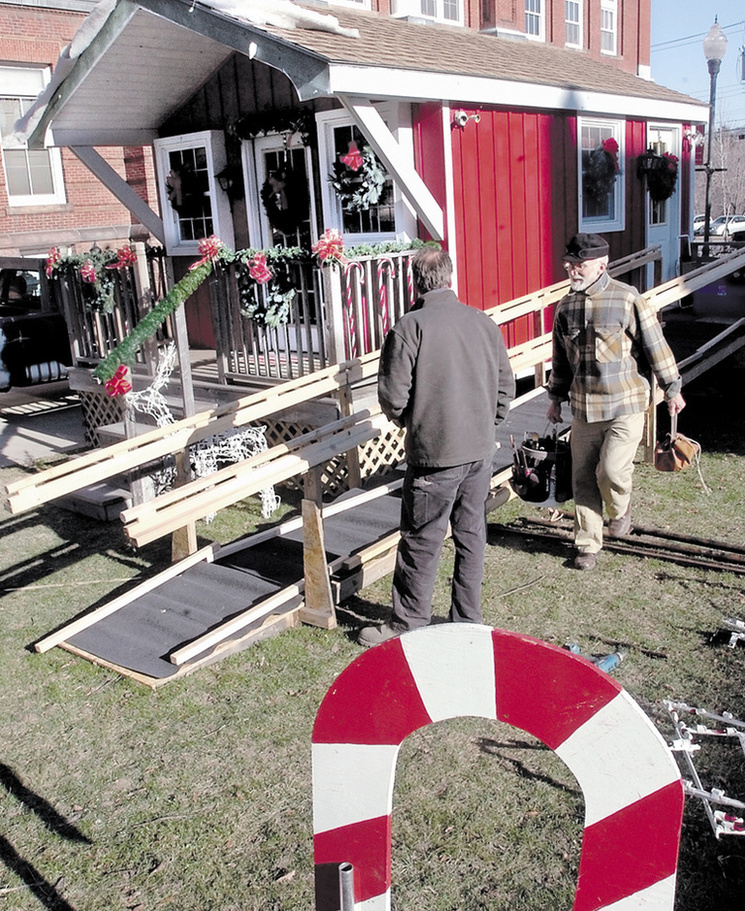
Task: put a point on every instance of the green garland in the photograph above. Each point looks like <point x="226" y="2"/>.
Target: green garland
<point x="125" y="351"/>
<point x="268" y="303"/>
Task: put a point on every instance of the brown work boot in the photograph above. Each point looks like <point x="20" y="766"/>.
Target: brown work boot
<point x="374" y="635"/>
<point x="585" y="560"/>
<point x="620" y="527"/>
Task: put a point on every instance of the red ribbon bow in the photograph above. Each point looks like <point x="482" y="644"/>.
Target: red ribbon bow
<point x="330" y="245"/>
<point x="119" y="384"/>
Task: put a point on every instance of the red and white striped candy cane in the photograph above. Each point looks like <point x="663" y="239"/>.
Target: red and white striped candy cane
<point x="631" y="784"/>
<point x="351" y="321"/>
<point x="410" y="284"/>
<point x="385" y="264"/>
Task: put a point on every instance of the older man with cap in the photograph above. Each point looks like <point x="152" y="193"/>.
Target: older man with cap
<point x="607" y="346"/>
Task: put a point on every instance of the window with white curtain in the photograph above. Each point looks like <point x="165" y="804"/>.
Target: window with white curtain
<point x="33" y="177"/>
<point x="609" y="26"/>
<point x="573" y="22"/>
<point x="535" y="19"/>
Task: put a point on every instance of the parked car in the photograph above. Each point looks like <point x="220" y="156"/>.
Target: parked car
<point x="698" y="222"/>
<point x="34" y="345"/>
<point x="725" y="225"/>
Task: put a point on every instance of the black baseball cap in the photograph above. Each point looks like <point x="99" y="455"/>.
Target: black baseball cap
<point x="585" y="246"/>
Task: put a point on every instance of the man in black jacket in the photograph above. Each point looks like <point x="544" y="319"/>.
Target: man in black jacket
<point x="444" y="375"/>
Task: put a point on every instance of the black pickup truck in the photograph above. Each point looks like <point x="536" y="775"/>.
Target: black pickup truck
<point x="34" y="345"/>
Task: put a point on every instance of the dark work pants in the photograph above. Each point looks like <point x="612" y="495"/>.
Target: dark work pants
<point x="431" y="498"/>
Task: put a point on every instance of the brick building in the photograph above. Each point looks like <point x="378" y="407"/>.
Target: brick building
<point x="48" y="197"/>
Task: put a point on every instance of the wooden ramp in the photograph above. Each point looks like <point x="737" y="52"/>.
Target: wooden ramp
<point x="224" y="598"/>
<point x="221" y="599"/>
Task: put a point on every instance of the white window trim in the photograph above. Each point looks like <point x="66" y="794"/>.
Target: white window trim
<point x="610" y="6"/>
<point x="259" y="229"/>
<point x="599" y="225"/>
<point x="58" y="197"/>
<point x="541" y="36"/>
<point x="331" y="207"/>
<point x="412" y="9"/>
<point x="222" y="221"/>
<point x="579" y="24"/>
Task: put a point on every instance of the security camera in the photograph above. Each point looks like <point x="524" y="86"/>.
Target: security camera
<point x="460" y="119"/>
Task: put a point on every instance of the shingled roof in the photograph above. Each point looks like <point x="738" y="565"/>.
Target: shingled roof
<point x="398" y="44"/>
<point x="139" y="61"/>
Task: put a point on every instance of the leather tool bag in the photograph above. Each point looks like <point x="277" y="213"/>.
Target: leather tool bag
<point x="676" y="452"/>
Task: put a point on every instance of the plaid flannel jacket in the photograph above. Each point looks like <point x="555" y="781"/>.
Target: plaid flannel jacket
<point x="607" y="344"/>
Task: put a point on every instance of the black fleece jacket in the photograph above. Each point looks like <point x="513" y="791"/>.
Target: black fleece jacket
<point x="444" y="375"/>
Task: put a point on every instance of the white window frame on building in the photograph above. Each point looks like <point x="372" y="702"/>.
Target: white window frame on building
<point x="33" y="177"/>
<point x="609" y="27"/>
<point x="535" y="19"/>
<point x="183" y="232"/>
<point x="396" y="119"/>
<point x="573" y="15"/>
<point x="598" y="216"/>
<point x="447" y="11"/>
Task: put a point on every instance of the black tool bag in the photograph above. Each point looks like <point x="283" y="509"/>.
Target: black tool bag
<point x="542" y="469"/>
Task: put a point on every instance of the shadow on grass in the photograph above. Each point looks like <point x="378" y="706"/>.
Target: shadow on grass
<point x="497" y="749"/>
<point x="44" y="891"/>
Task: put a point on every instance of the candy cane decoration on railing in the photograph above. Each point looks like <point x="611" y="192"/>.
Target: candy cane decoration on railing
<point x="632" y="787"/>
<point x="409" y="285"/>
<point x="351" y="321"/>
<point x="385" y="263"/>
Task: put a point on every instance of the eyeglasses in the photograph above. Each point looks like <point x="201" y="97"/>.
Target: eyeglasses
<point x="580" y="266"/>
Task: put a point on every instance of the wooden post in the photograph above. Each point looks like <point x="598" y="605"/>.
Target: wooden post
<point x="183" y="540"/>
<point x="331" y="275"/>
<point x="145" y="299"/>
<point x="346" y="407"/>
<point x="319" y="602"/>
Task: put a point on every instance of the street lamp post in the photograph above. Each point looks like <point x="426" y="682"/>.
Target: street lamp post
<point x="715" y="47"/>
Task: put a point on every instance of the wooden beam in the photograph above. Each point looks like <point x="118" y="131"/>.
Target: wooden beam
<point x="154" y="519"/>
<point x="319" y="602"/>
<point x="116" y="185"/>
<point x="397" y="162"/>
<point x="100" y="464"/>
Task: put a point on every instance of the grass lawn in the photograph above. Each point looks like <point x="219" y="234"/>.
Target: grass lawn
<point x="197" y="796"/>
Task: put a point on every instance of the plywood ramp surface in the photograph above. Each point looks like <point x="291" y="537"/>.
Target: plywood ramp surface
<point x="139" y="638"/>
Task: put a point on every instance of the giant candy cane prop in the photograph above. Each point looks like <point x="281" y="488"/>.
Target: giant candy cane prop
<point x="631" y="784"/>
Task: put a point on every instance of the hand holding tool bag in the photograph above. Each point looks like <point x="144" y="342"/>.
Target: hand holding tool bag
<point x="676" y="451"/>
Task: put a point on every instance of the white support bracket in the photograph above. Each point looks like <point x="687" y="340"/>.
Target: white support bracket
<point x="121" y="189"/>
<point x="397" y="163"/>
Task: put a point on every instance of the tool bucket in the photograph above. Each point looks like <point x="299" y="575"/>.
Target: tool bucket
<point x="542" y="470"/>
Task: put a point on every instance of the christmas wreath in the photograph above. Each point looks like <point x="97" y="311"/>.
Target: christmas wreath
<point x="661" y="173"/>
<point x="358" y="179"/>
<point x="266" y="285"/>
<point x="285" y="199"/>
<point x="600" y="170"/>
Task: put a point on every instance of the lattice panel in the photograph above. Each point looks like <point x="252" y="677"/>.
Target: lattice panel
<point x="382" y="455"/>
<point x="99" y="409"/>
<point x="377" y="458"/>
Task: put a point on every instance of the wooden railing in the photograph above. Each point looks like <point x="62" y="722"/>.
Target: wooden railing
<point x="338" y="312"/>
